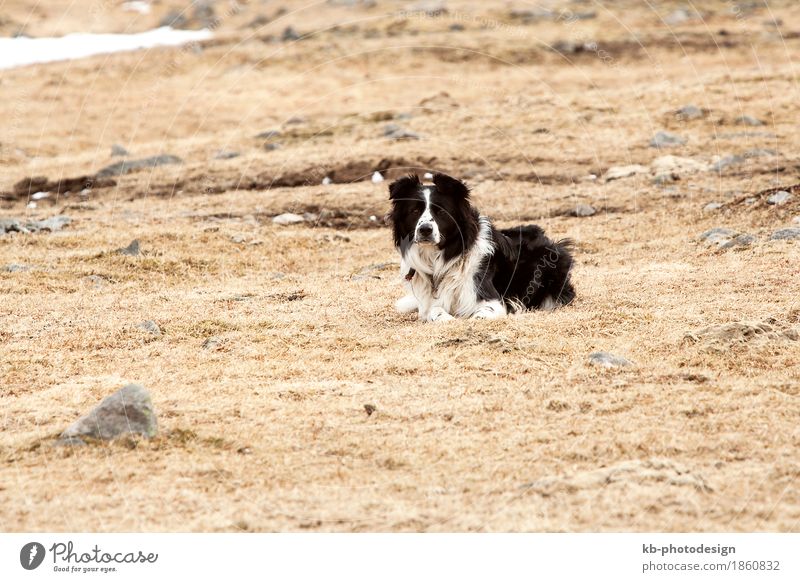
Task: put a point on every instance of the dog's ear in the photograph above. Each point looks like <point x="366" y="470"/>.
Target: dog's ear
<point x="450" y="186"/>
<point x="403" y="187"/>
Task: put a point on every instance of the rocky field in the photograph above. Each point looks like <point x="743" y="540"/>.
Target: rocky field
<point x="207" y="222"/>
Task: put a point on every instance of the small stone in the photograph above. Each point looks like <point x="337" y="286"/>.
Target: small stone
<point x="750" y="200"/>
<point x="326" y="180"/>
<point x="715" y="235"/>
<point x="377" y="178"/>
<point x="212" y="343"/>
<point x="583" y="210"/>
<point x="132" y="250"/>
<point x="689" y="113"/>
<point x="287" y="218"/>
<point x="238" y="239"/>
<point x="11" y="225"/>
<point x="607" y="360"/>
<point x="127" y="411"/>
<point x="679" y="16"/>
<point x="760" y="153"/>
<point x="118" y="151"/>
<point x="618" y="172"/>
<point x="677" y="166"/>
<point x="727" y="162"/>
<point x="369" y="409"/>
<point x="748" y="120"/>
<point x="664" y="139"/>
<point x="295" y="120"/>
<point x="272" y="146"/>
<point x="41" y="195"/>
<point x="778" y="198"/>
<point x="394" y="131"/>
<point x="786" y="234"/>
<point x="128" y="166"/>
<point x="711" y="206"/>
<point x="741" y="240"/>
<point x="269" y="134"/>
<point x="51" y="224"/>
<point x="15" y="268"/>
<point x="289" y="34"/>
<point x="150" y="326"/>
<point x="226" y="155"/>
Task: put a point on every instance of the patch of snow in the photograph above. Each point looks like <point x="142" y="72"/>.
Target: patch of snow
<point x="21" y="51"/>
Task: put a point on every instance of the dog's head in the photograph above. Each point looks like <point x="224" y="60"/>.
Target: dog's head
<point x="437" y="214"/>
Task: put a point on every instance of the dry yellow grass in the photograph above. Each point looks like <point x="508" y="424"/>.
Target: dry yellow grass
<point x="477" y="426"/>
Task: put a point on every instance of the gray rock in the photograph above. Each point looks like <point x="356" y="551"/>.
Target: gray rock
<point x="748" y="120"/>
<point x="51" y="224"/>
<point x="128" y="166"/>
<point x="212" y="343"/>
<point x="226" y="155"/>
<point x="269" y="134"/>
<point x="272" y="146"/>
<point x="150" y="326"/>
<point x="760" y="153"/>
<point x="679" y="16"/>
<point x="289" y="34"/>
<point x="175" y="19"/>
<point x="786" y="234"/>
<point x="727" y="162"/>
<point x="726" y="238"/>
<point x="745" y="135"/>
<point x="750" y="200"/>
<point x="394" y="131"/>
<point x="689" y="113"/>
<point x="203" y="13"/>
<point x="288" y="218"/>
<point x="665" y="179"/>
<point x="664" y="139"/>
<point x="618" y="172"/>
<point x="778" y="198"/>
<point x="583" y="210"/>
<point x="127" y="411"/>
<point x="11" y="225"/>
<point x="712" y="206"/>
<point x="118" y="151"/>
<point x="607" y="360"/>
<point x="132" y="250"/>
<point x="295" y="120"/>
<point x="15" y="268"/>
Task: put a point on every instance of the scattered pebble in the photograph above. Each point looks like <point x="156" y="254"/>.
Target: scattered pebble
<point x="689" y="113"/>
<point x="677" y="166"/>
<point x="40" y="195"/>
<point x="607" y="360"/>
<point x="726" y="238"/>
<point x="15" y="268"/>
<point x="118" y="151"/>
<point x="394" y="131"/>
<point x="288" y="218"/>
<point x="132" y="250"/>
<point x="786" y="234"/>
<point x="127" y="411"/>
<point x="51" y="224"/>
<point x="150" y="326"/>
<point x="778" y="198"/>
<point x="664" y="139"/>
<point x="326" y="180"/>
<point x="289" y="34"/>
<point x="269" y="134"/>
<point x="583" y="210"/>
<point x="128" y="166"/>
<point x="748" y="120"/>
<point x="711" y="206"/>
<point x="727" y="162"/>
<point x="272" y="146"/>
<point x="377" y="178"/>
<point x="369" y="409"/>
<point x="226" y="155"/>
<point x="618" y="172"/>
<point x="212" y="343"/>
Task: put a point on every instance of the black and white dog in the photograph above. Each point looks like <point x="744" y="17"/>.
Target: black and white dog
<point x="456" y="264"/>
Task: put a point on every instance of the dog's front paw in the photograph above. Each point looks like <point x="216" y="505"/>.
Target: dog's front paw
<point x="407" y="304"/>
<point x="492" y="310"/>
<point x="438" y="314"/>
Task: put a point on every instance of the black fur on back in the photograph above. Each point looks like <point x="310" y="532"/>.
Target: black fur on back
<point x="531" y="267"/>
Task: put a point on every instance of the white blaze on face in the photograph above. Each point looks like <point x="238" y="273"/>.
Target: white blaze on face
<point x="427" y="218"/>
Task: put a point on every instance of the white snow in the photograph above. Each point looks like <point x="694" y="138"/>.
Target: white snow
<point x="21" y="51"/>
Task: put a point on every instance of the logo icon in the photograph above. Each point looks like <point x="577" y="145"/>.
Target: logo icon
<point x="31" y="555"/>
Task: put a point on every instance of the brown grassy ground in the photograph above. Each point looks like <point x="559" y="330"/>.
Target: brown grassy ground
<point x="478" y="426"/>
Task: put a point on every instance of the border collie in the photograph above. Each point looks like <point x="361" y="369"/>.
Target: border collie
<point x="455" y="263"/>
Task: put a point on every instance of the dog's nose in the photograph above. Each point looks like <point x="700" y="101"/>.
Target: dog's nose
<point x="425" y="229"/>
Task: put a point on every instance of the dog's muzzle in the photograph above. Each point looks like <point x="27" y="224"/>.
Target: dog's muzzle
<point x="424" y="234"/>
